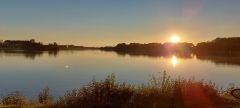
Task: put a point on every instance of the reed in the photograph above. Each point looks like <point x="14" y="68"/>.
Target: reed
<point x="161" y="92"/>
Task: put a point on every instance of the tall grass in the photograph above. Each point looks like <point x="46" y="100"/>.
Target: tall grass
<point x="160" y="92"/>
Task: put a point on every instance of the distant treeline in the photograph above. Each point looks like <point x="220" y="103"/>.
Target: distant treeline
<point x="219" y="46"/>
<point x="73" y="47"/>
<point x="151" y="49"/>
<point x="32" y="45"/>
<point x="28" y="45"/>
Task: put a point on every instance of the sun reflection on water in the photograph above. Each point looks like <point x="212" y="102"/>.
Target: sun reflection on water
<point x="174" y="61"/>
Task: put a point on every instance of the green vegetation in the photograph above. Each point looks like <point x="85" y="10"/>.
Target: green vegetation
<point x="160" y="92"/>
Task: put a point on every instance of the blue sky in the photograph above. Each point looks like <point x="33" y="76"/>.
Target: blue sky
<point x="108" y="22"/>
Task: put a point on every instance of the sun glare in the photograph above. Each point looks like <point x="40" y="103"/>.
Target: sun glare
<point x="175" y="39"/>
<point x="174" y="60"/>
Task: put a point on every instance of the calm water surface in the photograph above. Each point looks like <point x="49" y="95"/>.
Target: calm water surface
<point x="65" y="70"/>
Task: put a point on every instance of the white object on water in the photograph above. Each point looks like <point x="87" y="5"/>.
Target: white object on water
<point x="67" y="66"/>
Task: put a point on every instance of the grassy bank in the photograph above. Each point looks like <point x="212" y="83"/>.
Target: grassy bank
<point x="160" y="92"/>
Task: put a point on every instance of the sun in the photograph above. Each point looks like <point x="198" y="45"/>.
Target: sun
<point x="175" y="38"/>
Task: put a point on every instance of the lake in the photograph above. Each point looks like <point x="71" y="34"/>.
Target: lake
<point x="65" y="70"/>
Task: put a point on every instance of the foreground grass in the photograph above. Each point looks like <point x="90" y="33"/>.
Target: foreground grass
<point x="160" y="92"/>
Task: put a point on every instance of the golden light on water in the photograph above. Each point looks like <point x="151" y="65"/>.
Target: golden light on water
<point x="175" y="38"/>
<point x="174" y="60"/>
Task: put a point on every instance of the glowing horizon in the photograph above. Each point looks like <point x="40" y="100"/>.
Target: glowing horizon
<point x="98" y="23"/>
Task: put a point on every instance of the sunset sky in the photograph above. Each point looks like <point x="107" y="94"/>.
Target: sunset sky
<point x="108" y="22"/>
